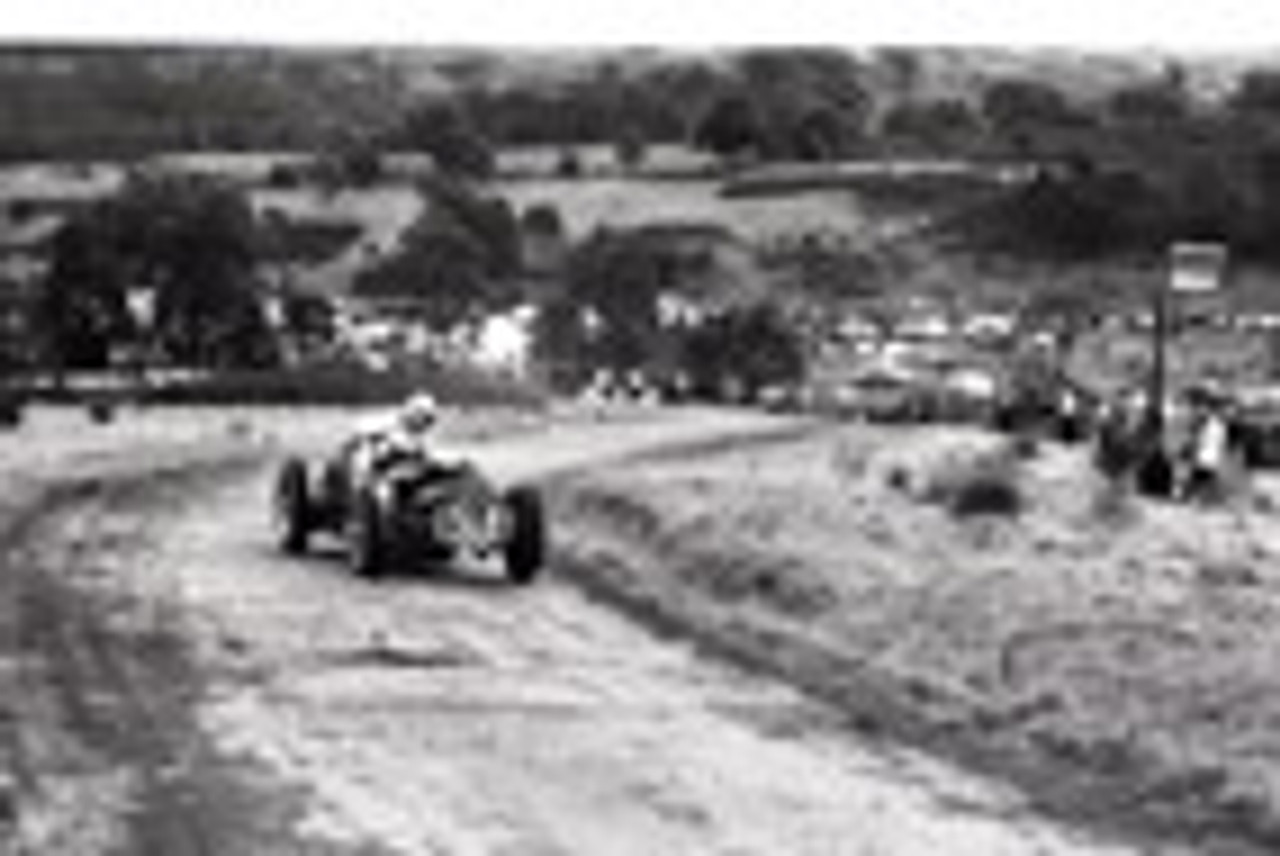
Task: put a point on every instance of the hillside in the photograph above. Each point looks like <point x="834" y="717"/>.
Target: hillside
<point x="85" y="101"/>
<point x="110" y="101"/>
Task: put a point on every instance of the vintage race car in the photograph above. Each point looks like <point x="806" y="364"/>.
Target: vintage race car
<point x="411" y="513"/>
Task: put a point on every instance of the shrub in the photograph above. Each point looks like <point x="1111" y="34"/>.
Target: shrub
<point x="987" y="492"/>
<point x="101" y="411"/>
<point x="979" y="483"/>
<point x="569" y="164"/>
<point x="899" y="479"/>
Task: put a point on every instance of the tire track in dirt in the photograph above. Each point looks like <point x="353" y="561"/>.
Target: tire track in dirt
<point x="456" y="716"/>
<point x="297" y="710"/>
<point x="107" y="754"/>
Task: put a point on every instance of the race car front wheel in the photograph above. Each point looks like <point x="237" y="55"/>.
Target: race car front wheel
<point x="525" y="551"/>
<point x="366" y="538"/>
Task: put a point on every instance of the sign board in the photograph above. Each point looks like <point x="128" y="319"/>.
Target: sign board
<point x="1197" y="267"/>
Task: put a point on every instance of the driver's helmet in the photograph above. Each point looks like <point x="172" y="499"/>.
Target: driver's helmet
<point x="419" y="413"/>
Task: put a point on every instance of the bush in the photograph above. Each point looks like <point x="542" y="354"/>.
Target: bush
<point x="979" y="483"/>
<point x="286" y="176"/>
<point x="899" y="479"/>
<point x="101" y="411"/>
<point x="569" y="164"/>
<point x="987" y="492"/>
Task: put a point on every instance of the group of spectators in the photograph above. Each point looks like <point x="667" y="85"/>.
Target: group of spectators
<point x="1183" y="452"/>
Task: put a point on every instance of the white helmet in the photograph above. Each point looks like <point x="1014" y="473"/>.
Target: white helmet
<point x="419" y="413"/>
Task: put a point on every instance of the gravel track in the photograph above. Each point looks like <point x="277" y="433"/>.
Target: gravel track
<point x="195" y="692"/>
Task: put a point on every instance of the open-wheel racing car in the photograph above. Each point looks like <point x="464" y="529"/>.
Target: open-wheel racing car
<point x="413" y="512"/>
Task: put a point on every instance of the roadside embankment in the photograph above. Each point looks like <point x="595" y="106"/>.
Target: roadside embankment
<point x="1116" y="659"/>
<point x="90" y="719"/>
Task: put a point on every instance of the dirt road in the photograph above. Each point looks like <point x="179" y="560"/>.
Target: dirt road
<point x="188" y="690"/>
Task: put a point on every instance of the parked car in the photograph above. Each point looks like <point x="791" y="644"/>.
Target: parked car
<point x="962" y="395"/>
<point x="879" y="395"/>
<point x="1255" y="425"/>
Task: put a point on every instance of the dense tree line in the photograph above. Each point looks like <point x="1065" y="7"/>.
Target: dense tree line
<point x="804" y="103"/>
<point x="788" y="103"/>
<point x="191" y="245"/>
<point x="1123" y="171"/>
<point x="1158" y="175"/>
<point x="95" y="103"/>
<point x="82" y="102"/>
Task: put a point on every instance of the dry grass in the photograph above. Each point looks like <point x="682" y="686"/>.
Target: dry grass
<point x="588" y="204"/>
<point x="1121" y="659"/>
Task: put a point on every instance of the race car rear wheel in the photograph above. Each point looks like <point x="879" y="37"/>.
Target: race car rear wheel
<point x="367" y="548"/>
<point x="525" y="551"/>
<point x="291" y="508"/>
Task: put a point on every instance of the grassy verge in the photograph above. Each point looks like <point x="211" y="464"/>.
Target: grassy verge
<point x="325" y="384"/>
<point x="1117" y="660"/>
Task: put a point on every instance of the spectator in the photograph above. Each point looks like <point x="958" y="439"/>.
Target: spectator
<point x="1207" y="455"/>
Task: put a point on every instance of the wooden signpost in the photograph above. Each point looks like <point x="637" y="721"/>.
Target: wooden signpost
<point x="1194" y="268"/>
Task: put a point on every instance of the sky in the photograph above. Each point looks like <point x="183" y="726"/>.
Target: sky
<point x="1182" y="25"/>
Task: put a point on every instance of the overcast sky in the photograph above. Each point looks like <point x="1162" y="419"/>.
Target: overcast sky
<point x="1196" y="25"/>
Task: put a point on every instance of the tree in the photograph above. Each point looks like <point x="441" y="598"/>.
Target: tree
<point x="562" y="343"/>
<point x="1206" y="204"/>
<point x="1157" y="103"/>
<point x="936" y="125"/>
<point x="544" y="245"/>
<point x="442" y="271"/>
<point x="630" y="147"/>
<point x="618" y="276"/>
<point x="544" y="220"/>
<point x="904" y="68"/>
<point x="809" y="103"/>
<point x="201" y="244"/>
<point x="1020" y="111"/>
<point x="745" y="350"/>
<point x="1082" y="212"/>
<point x="445" y="131"/>
<point x="569" y="163"/>
<point x="457" y="262"/>
<point x="817" y="136"/>
<point x="309" y="320"/>
<point x="357" y="161"/>
<point x="81" y="307"/>
<point x="1257" y="95"/>
<point x="193" y="242"/>
<point x="487" y="218"/>
<point x="730" y="128"/>
<point x="1264" y="228"/>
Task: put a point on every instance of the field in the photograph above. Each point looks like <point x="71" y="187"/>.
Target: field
<point x="667" y="160"/>
<point x="1116" y="658"/>
<point x="619" y="202"/>
<point x="382" y="213"/>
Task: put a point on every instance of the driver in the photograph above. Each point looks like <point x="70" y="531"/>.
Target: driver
<point x="402" y="434"/>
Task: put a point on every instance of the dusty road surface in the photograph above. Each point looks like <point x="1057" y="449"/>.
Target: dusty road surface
<point x="179" y="687"/>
